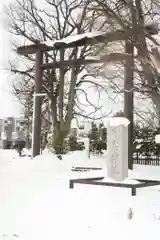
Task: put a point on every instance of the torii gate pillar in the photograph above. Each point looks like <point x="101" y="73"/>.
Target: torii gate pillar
<point x="36" y="137"/>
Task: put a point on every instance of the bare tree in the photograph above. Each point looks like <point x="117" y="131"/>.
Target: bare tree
<point x="141" y="16"/>
<point x="57" y="20"/>
<point x="29" y="23"/>
<point x="138" y="15"/>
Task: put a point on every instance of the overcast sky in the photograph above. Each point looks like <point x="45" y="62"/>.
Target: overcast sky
<point x="8" y="104"/>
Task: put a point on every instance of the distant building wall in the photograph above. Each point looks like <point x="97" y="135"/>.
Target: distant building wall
<point x="73" y="132"/>
<point x="1" y="125"/>
<point x="10" y="127"/>
<point x="1" y="130"/>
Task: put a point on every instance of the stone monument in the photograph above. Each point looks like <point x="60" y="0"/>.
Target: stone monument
<point x="117" y="150"/>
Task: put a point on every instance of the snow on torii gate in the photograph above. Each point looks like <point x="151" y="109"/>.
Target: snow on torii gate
<point x="89" y="38"/>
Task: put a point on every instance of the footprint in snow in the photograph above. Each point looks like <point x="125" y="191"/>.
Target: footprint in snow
<point x="12" y="237"/>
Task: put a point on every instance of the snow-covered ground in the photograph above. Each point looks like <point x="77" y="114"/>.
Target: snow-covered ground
<point x="36" y="202"/>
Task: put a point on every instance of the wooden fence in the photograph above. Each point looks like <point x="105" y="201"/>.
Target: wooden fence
<point x="151" y="161"/>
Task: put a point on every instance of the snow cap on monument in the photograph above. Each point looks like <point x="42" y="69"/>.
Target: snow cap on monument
<point x="119" y="121"/>
<point x="157" y="138"/>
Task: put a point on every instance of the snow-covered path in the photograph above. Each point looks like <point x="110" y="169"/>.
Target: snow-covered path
<point x="36" y="203"/>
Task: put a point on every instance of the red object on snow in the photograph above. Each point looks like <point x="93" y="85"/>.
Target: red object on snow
<point x="130" y="213"/>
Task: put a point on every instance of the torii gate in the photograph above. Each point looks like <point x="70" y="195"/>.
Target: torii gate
<point x="70" y="42"/>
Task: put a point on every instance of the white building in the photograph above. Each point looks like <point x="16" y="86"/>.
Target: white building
<point x="8" y="126"/>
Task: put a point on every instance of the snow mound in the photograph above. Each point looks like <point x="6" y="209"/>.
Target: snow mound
<point x="125" y="181"/>
<point x="27" y="152"/>
<point x="7" y="156"/>
<point x="118" y="121"/>
<point x="48" y="162"/>
<point x="130" y="181"/>
<point x="38" y="205"/>
<point x="81" y="159"/>
<point x="78" y="158"/>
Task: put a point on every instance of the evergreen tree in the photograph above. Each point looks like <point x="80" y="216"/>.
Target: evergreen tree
<point x="119" y="114"/>
<point x="94" y="133"/>
<point x="102" y="132"/>
<point x="72" y="142"/>
<point x="144" y="142"/>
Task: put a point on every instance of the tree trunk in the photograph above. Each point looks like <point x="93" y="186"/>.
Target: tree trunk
<point x="44" y="140"/>
<point x="59" y="127"/>
<point x="70" y="105"/>
<point x="62" y="127"/>
<point x="145" y="62"/>
<point x="59" y="134"/>
<point x="61" y="86"/>
<point x="53" y="107"/>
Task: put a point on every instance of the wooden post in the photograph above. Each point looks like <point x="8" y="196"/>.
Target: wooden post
<point x="71" y="184"/>
<point x="36" y="140"/>
<point x="28" y="135"/>
<point x="128" y="99"/>
<point x="133" y="191"/>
